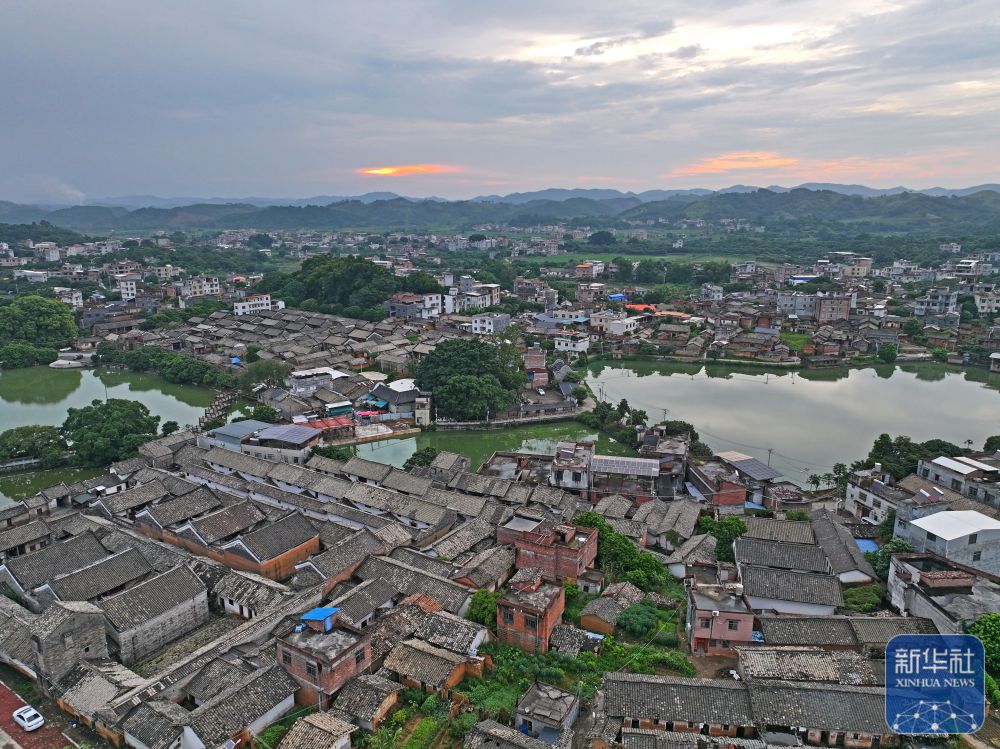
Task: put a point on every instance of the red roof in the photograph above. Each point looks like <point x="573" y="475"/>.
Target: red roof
<point x="331" y="422"/>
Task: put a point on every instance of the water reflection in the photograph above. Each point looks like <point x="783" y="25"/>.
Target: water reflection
<point x="31" y="386"/>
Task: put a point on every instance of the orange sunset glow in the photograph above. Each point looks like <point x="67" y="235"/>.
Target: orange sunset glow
<point x="404" y="170"/>
<point x="736" y="161"/>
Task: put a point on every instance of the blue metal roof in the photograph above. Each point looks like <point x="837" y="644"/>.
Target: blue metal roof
<point x="319" y="614"/>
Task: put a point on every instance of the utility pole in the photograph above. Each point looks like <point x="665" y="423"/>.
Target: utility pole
<point x="769" y="451"/>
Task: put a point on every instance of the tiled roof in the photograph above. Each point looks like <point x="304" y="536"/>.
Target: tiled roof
<point x="137" y="496"/>
<point x="316" y="730"/>
<point x="366" y="470"/>
<point x="364" y="600"/>
<point x="488" y="567"/>
<point x="571" y="641"/>
<point x="807" y="630"/>
<point x="215" y="678"/>
<point x="696" y="550"/>
<point x="840" y="547"/>
<point x="11" y="538"/>
<point x="31" y="570"/>
<point x="877" y="631"/>
<point x="256" y="593"/>
<point x="785" y="585"/>
<point x="277" y="538"/>
<point x="101" y="577"/>
<point x="489" y="734"/>
<point x="401" y="481"/>
<point x="463" y="538"/>
<point x="791" y="531"/>
<point x="410" y="580"/>
<point x="423" y="662"/>
<point x="156" y="723"/>
<point x="151" y="598"/>
<point x="363" y="696"/>
<point x="677" y="699"/>
<point x="803" y="557"/>
<point x="613" y="506"/>
<point x="183" y="508"/>
<point x="228" y="522"/>
<point x="809" y="664"/>
<point x="823" y="707"/>
<point x="348" y="552"/>
<point x="445" y="630"/>
<point x="242" y="705"/>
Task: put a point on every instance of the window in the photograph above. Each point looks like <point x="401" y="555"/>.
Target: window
<point x="531" y="622"/>
<point x="508" y="616"/>
<point x="973" y="537"/>
<point x="704" y="622"/>
<point x="733" y="624"/>
<point x="635" y="722"/>
<point x="976" y="556"/>
<point x="311" y="670"/>
<point x="576" y="475"/>
<point x="286" y="657"/>
<point x="956" y="485"/>
<point x="931" y="536"/>
<point x="359" y="657"/>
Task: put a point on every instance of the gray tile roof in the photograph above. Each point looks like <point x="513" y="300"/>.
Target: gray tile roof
<point x="823" y="707"/>
<point x="317" y="730"/>
<point x="152" y="598"/>
<point x="489" y="567"/>
<point x="463" y="538"/>
<point x="571" y="641"/>
<point x="489" y="734"/>
<point x="252" y="591"/>
<point x="31" y="570"/>
<point x="785" y="585"/>
<point x="840" y="547"/>
<point x="451" y="596"/>
<point x="363" y="696"/>
<point x="11" y="538"/>
<point x="101" y="577"/>
<point x="423" y="662"/>
<point x="696" y="550"/>
<point x="807" y="630"/>
<point x="451" y="632"/>
<point x="364" y="600"/>
<point x="344" y="554"/>
<point x="677" y="699"/>
<point x="185" y="507"/>
<point x="274" y="539"/>
<point x="156" y="723"/>
<point x="814" y="665"/>
<point x="228" y="521"/>
<point x="367" y="470"/>
<point x="803" y="557"/>
<point x="791" y="531"/>
<point x="136" y="497"/>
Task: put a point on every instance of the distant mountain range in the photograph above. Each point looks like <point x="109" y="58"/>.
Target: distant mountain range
<point x="853" y="208"/>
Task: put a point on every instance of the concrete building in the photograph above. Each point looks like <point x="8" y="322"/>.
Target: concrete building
<point x="964" y="536"/>
<point x="255" y="304"/>
<point x="936" y="302"/>
<point x="545" y="712"/>
<point x="408" y="306"/>
<point x="718" y="619"/>
<point x="951" y="595"/>
<point x="529" y="611"/>
<point x="488" y="323"/>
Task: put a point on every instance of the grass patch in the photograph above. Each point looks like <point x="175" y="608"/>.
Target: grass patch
<point x="795" y="341"/>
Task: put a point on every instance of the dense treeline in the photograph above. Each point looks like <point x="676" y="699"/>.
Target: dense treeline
<point x="171" y="366"/>
<point x="348" y="286"/>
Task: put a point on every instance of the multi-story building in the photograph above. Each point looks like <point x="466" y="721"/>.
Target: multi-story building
<point x="321" y="657"/>
<point x="488" y="323"/>
<point x="936" y="302"/>
<point x="589" y="294"/>
<point x="718" y="619"/>
<point x="413" y="306"/>
<point x="832" y="308"/>
<point x="578" y="343"/>
<point x="255" y="304"/>
<point x="562" y="553"/>
<point x="128" y="285"/>
<point x="72" y="297"/>
<point x="711" y="292"/>
<point x="201" y="286"/>
<point x="870" y="497"/>
<point x="529" y="611"/>
<point x="963" y="536"/>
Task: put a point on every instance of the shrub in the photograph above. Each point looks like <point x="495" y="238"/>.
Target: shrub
<point x="462" y="724"/>
<point x="866" y="598"/>
<point x="423" y="735"/>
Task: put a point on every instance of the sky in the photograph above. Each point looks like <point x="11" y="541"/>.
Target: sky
<point x="457" y="98"/>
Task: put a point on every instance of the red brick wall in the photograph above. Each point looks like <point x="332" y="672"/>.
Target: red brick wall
<point x="519" y="635"/>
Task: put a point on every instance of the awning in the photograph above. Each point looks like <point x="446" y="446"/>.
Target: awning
<point x="693" y="491"/>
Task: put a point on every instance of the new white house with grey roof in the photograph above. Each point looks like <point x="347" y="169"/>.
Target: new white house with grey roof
<point x="964" y="536"/>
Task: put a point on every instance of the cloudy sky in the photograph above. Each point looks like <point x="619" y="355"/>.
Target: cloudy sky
<point x="464" y="97"/>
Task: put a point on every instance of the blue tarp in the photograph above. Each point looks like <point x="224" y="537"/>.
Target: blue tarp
<point x="693" y="491"/>
<point x="617" y="297"/>
<point x="866" y="544"/>
<point x="753" y="506"/>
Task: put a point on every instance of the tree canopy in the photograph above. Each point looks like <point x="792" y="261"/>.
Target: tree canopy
<point x="422" y="457"/>
<point x="470" y="377"/>
<point x="106" y="431"/>
<point x="45" y="443"/>
<point x="725" y="530"/>
<point x="899" y="455"/>
<point x="38" y="321"/>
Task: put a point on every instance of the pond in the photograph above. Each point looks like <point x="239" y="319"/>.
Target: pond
<point x="479" y="446"/>
<point x="809" y="419"/>
<point x="42" y="395"/>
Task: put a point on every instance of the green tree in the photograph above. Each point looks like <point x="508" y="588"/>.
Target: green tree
<point x="881" y="557"/>
<point x="422" y="457"/>
<point x="913" y="328"/>
<point x="887" y="528"/>
<point x="104" y="432"/>
<point x="483" y="608"/>
<point x="987" y="629"/>
<point x="261" y="412"/>
<point x="169" y="427"/>
<point x="471" y="397"/>
<point x="460" y="356"/>
<point x="43" y="322"/>
<point x="887" y="353"/>
<point x="725" y="530"/>
<point x="19" y="354"/>
<point x="602" y="237"/>
<point x="580" y="393"/>
<point x="334" y="452"/>
<point x="992" y="443"/>
<point x="45" y="443"/>
<point x="265" y="371"/>
<point x="796" y="515"/>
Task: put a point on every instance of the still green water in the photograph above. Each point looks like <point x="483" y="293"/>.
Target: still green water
<point x="479" y="446"/>
<point x="810" y="419"/>
<point x="41" y="395"/>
